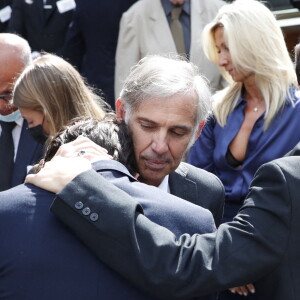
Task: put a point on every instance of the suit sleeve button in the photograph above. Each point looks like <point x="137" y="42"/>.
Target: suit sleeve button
<point x="79" y="205"/>
<point x="86" y="211"/>
<point x="94" y="217"/>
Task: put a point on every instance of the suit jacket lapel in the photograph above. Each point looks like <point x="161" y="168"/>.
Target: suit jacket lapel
<point x="37" y="8"/>
<point x="161" y="29"/>
<point x="112" y="165"/>
<point x="295" y="151"/>
<point x="181" y="186"/>
<point x="47" y="13"/>
<point x="29" y="151"/>
<point x="197" y="25"/>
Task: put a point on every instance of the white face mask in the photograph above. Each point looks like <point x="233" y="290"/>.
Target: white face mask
<point x="11" y="117"/>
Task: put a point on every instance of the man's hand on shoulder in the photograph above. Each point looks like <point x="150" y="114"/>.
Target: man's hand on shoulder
<point x="70" y="160"/>
<point x="58" y="172"/>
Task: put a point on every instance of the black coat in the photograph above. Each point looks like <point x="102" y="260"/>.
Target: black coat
<point x="92" y="40"/>
<point x="261" y="244"/>
<point x="4" y="3"/>
<point x="44" y="30"/>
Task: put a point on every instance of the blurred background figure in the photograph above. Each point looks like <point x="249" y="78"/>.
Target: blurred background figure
<point x="43" y="23"/>
<point x="256" y="118"/>
<point x="18" y="150"/>
<point x="295" y="3"/>
<point x="5" y="14"/>
<point x="92" y="40"/>
<point x="50" y="92"/>
<point x="164" y="26"/>
<point x="297" y="61"/>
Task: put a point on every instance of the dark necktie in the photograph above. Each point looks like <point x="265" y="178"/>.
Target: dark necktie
<point x="48" y="9"/>
<point x="177" y="30"/>
<point x="6" y="155"/>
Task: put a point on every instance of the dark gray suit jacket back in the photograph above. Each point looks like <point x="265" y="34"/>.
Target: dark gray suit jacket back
<point x="193" y="184"/>
<point x="261" y="244"/>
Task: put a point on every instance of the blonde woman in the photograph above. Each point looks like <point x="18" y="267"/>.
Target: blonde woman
<point x="256" y="118"/>
<point x="50" y="92"/>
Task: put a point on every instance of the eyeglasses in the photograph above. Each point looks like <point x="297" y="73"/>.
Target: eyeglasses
<point x="6" y="97"/>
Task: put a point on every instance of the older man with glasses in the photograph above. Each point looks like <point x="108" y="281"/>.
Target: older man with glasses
<point x="18" y="150"/>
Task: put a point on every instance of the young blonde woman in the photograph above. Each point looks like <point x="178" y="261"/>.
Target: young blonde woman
<point x="257" y="117"/>
<point x="50" y="92"/>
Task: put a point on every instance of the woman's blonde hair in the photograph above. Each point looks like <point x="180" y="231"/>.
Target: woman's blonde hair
<point x="52" y="86"/>
<point x="256" y="45"/>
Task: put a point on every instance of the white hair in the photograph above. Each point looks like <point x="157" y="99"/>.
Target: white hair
<point x="12" y="43"/>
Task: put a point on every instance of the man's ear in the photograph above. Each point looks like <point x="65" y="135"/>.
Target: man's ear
<point x="200" y="129"/>
<point x="120" y="111"/>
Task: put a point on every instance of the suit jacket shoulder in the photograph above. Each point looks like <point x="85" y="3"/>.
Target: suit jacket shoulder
<point x="161" y="207"/>
<point x="46" y="258"/>
<point x="199" y="187"/>
<point x="144" y="30"/>
<point x="295" y="151"/>
<point x="209" y="6"/>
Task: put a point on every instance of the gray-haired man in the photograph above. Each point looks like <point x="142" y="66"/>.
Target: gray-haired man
<point x="164" y="101"/>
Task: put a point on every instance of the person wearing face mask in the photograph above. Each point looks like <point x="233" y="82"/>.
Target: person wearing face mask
<point x="18" y="150"/>
<point x="38" y="133"/>
<point x="50" y="92"/>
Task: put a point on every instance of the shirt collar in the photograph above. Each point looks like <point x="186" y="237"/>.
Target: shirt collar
<point x="20" y="121"/>
<point x="240" y="107"/>
<point x="164" y="186"/>
<point x="115" y="165"/>
<point x="241" y="101"/>
<point x="167" y="5"/>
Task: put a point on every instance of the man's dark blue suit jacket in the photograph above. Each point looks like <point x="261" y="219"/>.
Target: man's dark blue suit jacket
<point x="41" y="259"/>
<point x="29" y="153"/>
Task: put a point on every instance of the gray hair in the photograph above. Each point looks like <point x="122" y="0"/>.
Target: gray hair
<point x="15" y="44"/>
<point x="157" y="76"/>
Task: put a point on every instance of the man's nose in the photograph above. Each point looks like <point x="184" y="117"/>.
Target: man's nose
<point x="160" y="143"/>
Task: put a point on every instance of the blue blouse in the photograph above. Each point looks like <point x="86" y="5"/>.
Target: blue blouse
<point x="209" y="151"/>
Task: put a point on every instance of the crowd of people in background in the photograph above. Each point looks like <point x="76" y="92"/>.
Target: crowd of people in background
<point x="188" y="111"/>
